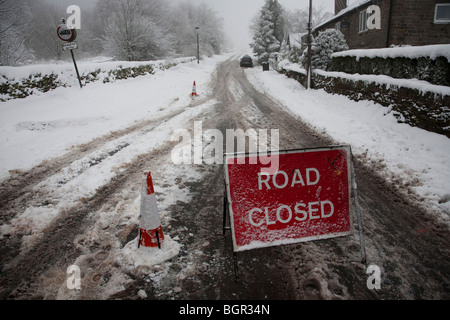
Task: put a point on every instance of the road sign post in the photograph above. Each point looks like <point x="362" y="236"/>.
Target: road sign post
<point x="307" y="198"/>
<point x="69" y="35"/>
<point x="76" y="68"/>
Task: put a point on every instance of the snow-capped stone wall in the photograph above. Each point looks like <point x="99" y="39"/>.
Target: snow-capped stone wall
<point x="21" y="82"/>
<point x="430" y="63"/>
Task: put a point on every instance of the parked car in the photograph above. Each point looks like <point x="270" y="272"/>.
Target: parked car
<point x="246" y="61"/>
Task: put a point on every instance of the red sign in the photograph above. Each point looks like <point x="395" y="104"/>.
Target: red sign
<point x="65" y="33"/>
<point x="307" y="198"/>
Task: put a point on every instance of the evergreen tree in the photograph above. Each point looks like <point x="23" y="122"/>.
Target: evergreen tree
<point x="326" y="43"/>
<point x="268" y="29"/>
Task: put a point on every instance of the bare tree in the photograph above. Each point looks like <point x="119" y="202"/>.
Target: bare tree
<point x="43" y="38"/>
<point x="184" y="18"/>
<point x="14" y="18"/>
<point x="297" y="20"/>
<point x="130" y="34"/>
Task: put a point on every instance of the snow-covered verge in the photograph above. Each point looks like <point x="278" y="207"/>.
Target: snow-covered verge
<point x="414" y="159"/>
<point x="415" y="102"/>
<point x="52" y="124"/>
<point x="21" y="82"/>
<point x="420" y="85"/>
<point x="48" y="124"/>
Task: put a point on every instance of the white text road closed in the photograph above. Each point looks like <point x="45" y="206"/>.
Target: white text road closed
<point x="308" y="198"/>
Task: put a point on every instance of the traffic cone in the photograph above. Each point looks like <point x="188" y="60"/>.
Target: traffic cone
<point x="194" y="90"/>
<point x="150" y="230"/>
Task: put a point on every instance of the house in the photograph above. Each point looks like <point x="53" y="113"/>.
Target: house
<point x="402" y="22"/>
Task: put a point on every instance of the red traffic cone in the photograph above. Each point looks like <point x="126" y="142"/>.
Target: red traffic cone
<point x="150" y="230"/>
<point x="194" y="90"/>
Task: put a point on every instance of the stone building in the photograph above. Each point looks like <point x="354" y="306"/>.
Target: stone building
<point x="400" y="22"/>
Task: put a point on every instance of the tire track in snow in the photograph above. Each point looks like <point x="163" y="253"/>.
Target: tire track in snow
<point x="415" y="265"/>
<point x="16" y="191"/>
<point x="54" y="247"/>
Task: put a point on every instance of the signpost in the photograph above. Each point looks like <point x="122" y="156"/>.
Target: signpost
<point x="69" y="35"/>
<point x="307" y="198"/>
<point x="69" y="46"/>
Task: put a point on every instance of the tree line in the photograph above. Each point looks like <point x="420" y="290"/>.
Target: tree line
<point x="273" y="25"/>
<point x="131" y="30"/>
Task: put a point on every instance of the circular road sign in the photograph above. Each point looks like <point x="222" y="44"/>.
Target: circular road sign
<point x="66" y="34"/>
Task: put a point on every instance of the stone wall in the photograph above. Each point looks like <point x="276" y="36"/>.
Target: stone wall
<point x="435" y="71"/>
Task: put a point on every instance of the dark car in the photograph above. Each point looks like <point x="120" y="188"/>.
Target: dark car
<point x="246" y="61"/>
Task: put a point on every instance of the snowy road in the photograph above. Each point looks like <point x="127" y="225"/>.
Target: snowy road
<point x="88" y="201"/>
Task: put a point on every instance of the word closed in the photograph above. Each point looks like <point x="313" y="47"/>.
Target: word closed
<point x="308" y="198"/>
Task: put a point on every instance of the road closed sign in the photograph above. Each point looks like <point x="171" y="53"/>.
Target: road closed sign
<point x="307" y="198"/>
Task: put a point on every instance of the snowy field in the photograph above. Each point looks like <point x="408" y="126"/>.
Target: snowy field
<point x="414" y="159"/>
<point x="52" y="124"/>
<point x="45" y="125"/>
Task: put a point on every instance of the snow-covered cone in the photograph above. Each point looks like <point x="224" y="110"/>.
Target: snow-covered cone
<point x="150" y="230"/>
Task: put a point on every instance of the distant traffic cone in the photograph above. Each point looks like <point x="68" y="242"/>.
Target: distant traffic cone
<point x="150" y="230"/>
<point x="194" y="90"/>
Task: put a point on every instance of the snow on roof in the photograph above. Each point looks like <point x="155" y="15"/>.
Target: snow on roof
<point x="412" y="52"/>
<point x="354" y="5"/>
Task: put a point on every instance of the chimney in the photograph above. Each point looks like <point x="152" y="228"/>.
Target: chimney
<point x="339" y="5"/>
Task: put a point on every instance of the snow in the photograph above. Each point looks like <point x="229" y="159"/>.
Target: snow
<point x="132" y="257"/>
<point x="287" y="65"/>
<point x="411" y="52"/>
<point x="50" y="124"/>
<point x="44" y="125"/>
<point x="417" y="158"/>
<point x="66" y="72"/>
<point x="420" y="85"/>
<point x="47" y="125"/>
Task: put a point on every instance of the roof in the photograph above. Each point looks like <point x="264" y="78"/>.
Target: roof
<point x="357" y="4"/>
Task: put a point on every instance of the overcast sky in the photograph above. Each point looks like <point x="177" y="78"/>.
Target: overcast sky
<point x="237" y="14"/>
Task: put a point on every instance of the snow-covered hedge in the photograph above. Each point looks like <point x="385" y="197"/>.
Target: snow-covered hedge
<point x="21" y="82"/>
<point x="430" y="63"/>
<point x="326" y="43"/>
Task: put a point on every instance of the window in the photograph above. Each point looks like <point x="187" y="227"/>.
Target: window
<point x="363" y="21"/>
<point x="337" y="26"/>
<point x="442" y="13"/>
